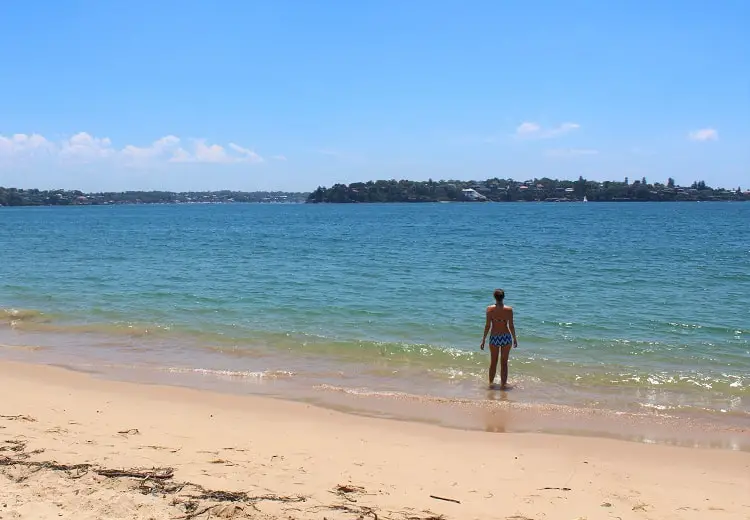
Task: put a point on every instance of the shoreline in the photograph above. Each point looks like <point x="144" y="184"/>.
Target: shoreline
<point x="340" y="464"/>
<point x="514" y="411"/>
<point x="618" y="201"/>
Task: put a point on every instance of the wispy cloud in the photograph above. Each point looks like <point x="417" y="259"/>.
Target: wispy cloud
<point x="86" y="148"/>
<point x="278" y="157"/>
<point x="570" y="152"/>
<point x="245" y="154"/>
<point x="704" y="134"/>
<point x="528" y="129"/>
<point x="531" y="130"/>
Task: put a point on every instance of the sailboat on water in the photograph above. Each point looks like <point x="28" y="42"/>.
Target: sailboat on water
<point x="585" y="199"/>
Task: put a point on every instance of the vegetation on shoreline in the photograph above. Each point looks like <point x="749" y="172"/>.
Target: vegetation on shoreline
<point x="508" y="190"/>
<point x="496" y="190"/>
<point x="18" y="197"/>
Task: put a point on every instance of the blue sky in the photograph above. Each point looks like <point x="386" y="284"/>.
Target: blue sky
<point x="110" y="95"/>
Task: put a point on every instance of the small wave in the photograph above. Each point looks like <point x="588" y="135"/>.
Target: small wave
<point x="20" y="314"/>
<point x="454" y="373"/>
<point x="27" y="348"/>
<point x="684" y="325"/>
<point x="364" y="392"/>
<point x="35" y="324"/>
<point x="659" y="407"/>
<point x="562" y="324"/>
<point x="234" y="374"/>
<point x="728" y="383"/>
<point x="16" y="317"/>
<point x="707" y="328"/>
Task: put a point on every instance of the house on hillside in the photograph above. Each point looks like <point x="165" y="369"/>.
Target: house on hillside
<point x="472" y="195"/>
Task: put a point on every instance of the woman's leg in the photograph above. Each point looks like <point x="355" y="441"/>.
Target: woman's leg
<point x="494" y="354"/>
<point x="504" y="364"/>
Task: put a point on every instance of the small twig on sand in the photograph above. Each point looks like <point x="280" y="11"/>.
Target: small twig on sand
<point x="360" y="510"/>
<point x="131" y="431"/>
<point x="557" y="488"/>
<point x="26" y="418"/>
<point x="348" y="488"/>
<point x="241" y="496"/>
<point x="152" y="447"/>
<point x="156" y="473"/>
<point x="221" y="461"/>
<point x="445" y="499"/>
<point x="343" y="490"/>
<point x="221" y="496"/>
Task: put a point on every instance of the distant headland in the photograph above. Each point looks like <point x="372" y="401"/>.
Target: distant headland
<point x="19" y="197"/>
<point x="490" y="190"/>
<point x="508" y="190"/>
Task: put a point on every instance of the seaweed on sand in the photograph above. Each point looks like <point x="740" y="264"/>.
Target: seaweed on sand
<point x="192" y="500"/>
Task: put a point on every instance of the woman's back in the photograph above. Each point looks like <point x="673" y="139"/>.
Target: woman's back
<point x="499" y="316"/>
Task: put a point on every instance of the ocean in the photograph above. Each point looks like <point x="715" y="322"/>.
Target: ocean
<point x="631" y="310"/>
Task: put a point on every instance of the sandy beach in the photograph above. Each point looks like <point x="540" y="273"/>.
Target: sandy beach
<point x="74" y="446"/>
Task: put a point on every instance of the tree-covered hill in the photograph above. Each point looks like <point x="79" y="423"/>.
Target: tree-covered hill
<point x="33" y="197"/>
<point x="508" y="190"/>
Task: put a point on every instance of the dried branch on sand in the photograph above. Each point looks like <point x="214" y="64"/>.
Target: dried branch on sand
<point x="26" y="418"/>
<point x="155" y="473"/>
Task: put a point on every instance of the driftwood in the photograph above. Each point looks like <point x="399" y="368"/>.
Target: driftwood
<point x="155" y="473"/>
<point x="26" y="418"/>
<point x="445" y="499"/>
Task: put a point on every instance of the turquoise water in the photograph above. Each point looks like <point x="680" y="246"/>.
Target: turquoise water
<point x="635" y="307"/>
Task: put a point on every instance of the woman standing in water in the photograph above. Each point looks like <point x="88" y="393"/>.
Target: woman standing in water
<point x="502" y="336"/>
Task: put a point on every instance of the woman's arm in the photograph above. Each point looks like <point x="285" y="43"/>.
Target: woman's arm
<point x="486" y="328"/>
<point x="512" y="328"/>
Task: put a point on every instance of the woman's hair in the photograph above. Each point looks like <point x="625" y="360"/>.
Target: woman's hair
<point x="499" y="295"/>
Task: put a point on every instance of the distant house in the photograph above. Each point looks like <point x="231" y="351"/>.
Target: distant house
<point x="472" y="195"/>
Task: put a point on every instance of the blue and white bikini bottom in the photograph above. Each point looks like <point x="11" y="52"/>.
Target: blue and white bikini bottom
<point x="501" y="340"/>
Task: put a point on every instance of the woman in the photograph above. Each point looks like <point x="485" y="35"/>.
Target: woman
<point x="503" y="335"/>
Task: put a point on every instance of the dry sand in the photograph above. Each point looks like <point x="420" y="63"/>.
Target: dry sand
<point x="290" y="460"/>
